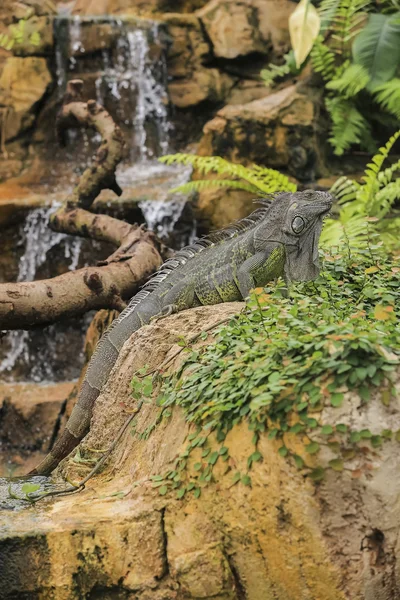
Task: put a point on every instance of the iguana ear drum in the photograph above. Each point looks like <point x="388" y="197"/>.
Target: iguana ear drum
<point x="298" y="224"/>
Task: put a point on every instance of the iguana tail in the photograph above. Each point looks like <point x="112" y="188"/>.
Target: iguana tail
<point x="99" y="369"/>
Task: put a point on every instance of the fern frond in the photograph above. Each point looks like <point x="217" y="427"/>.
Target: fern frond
<point x="265" y="180"/>
<point x="327" y="11"/>
<point x="323" y="59"/>
<point x="371" y="181"/>
<point x="389" y="233"/>
<point x="385" y="176"/>
<point x="344" y="189"/>
<point x="348" y="20"/>
<point x="348" y="124"/>
<point x="353" y="79"/>
<point x="388" y="96"/>
<point x="274" y="72"/>
<point x="203" y="184"/>
<point x="385" y="198"/>
<point x="351" y="229"/>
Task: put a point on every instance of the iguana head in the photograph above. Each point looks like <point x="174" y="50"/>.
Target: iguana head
<point x="295" y="220"/>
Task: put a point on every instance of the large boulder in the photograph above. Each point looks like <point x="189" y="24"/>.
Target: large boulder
<point x="23" y="84"/>
<point x="241" y="27"/>
<point x="279" y="131"/>
<point x="192" y="82"/>
<point x="283" y="537"/>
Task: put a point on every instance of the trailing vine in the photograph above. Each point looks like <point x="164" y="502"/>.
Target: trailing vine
<point x="280" y="363"/>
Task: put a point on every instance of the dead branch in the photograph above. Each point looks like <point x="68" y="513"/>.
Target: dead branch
<point x="109" y="284"/>
<point x="101" y="175"/>
<point x="27" y="305"/>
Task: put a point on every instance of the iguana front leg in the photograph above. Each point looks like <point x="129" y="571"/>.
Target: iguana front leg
<point x="260" y="268"/>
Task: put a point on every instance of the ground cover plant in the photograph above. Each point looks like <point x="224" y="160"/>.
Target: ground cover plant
<point x="281" y="361"/>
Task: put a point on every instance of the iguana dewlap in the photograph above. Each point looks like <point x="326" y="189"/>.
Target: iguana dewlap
<point x="280" y="239"/>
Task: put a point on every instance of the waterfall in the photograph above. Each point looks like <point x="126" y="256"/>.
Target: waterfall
<point x="131" y="83"/>
<point x="38" y="240"/>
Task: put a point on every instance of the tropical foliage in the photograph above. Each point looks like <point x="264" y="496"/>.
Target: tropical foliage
<point x="364" y="207"/>
<point x="357" y="54"/>
<point x="255" y="179"/>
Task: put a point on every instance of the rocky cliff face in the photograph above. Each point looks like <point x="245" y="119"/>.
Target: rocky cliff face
<point x="284" y="537"/>
<point x="215" y="51"/>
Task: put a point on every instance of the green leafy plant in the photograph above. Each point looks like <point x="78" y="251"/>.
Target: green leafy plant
<point x="281" y="363"/>
<point x="365" y="206"/>
<point x="19" y="34"/>
<point x="255" y="179"/>
<point x="351" y="54"/>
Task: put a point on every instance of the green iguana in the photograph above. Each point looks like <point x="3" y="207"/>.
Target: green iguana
<point x="280" y="239"/>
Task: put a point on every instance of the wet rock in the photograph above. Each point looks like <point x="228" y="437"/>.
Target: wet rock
<point x="23" y="83"/>
<point x="241" y="27"/>
<point x="280" y="131"/>
<point x="283" y="537"/>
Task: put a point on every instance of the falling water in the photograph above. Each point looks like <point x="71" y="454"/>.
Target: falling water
<point x="38" y="241"/>
<point x="131" y="83"/>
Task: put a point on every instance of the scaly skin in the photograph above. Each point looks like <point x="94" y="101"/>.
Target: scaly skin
<point x="278" y="240"/>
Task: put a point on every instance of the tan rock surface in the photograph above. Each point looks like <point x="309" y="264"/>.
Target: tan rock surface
<point x="284" y="538"/>
<point x="102" y="7"/>
<point x="23" y="83"/>
<point x="280" y="131"/>
<point x="28" y="416"/>
<point x="240" y="27"/>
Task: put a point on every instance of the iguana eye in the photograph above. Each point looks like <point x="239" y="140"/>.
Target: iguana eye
<point x="298" y="224"/>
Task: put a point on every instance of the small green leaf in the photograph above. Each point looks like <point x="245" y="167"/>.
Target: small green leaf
<point x="317" y="474"/>
<point x="246" y="480"/>
<point x="180" y="493"/>
<point x="336" y="464"/>
<point x="28" y="488"/>
<point x="336" y="399"/>
<point x="341" y="428"/>
<point x="326" y="429"/>
<point x="283" y="451"/>
<point x="197" y="493"/>
<point x="312" y="448"/>
<point x="213" y="458"/>
<point x="163" y="490"/>
<point x="299" y="462"/>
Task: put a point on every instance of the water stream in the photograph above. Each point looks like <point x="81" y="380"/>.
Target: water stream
<point x="130" y="80"/>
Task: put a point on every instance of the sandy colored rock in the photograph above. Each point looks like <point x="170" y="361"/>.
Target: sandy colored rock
<point x="241" y="27"/>
<point x="102" y="7"/>
<point x="283" y="538"/>
<point x="23" y="83"/>
<point x="205" y="84"/>
<point x="218" y="207"/>
<point x="247" y="91"/>
<point x="28" y="417"/>
<point x="280" y="131"/>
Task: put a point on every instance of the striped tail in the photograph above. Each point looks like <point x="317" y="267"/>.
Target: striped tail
<point x="99" y="369"/>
